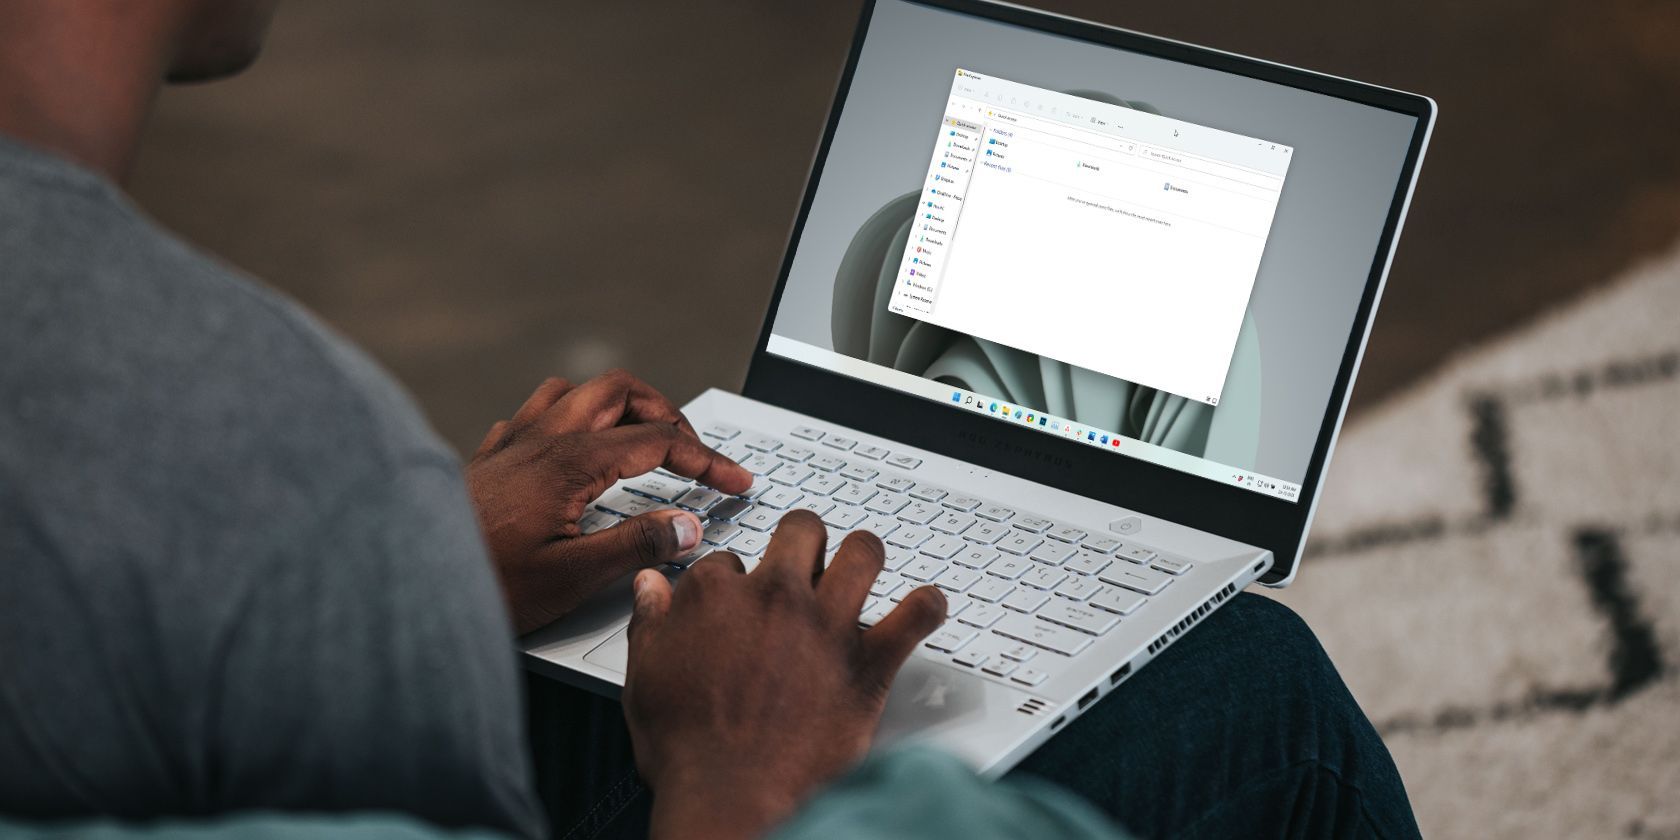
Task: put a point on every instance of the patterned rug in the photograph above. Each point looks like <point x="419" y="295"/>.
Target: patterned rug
<point x="1496" y="570"/>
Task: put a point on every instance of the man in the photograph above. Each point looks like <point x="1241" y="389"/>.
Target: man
<point x="244" y="577"/>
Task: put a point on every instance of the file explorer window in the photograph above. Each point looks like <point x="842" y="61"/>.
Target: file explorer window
<point x="1100" y="236"/>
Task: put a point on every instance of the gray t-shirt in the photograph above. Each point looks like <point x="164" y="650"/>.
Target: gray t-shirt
<point x="239" y="570"/>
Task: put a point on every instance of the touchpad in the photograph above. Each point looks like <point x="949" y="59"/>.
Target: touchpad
<point x="613" y="653"/>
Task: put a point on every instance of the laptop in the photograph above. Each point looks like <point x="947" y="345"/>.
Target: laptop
<point x="1068" y="317"/>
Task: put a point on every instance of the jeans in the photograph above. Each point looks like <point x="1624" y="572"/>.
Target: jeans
<point x="1242" y="728"/>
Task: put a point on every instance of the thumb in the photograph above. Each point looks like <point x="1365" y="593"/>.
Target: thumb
<point x="652" y="601"/>
<point x="641" y="541"/>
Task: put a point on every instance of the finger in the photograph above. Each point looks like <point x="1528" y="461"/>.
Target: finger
<point x="492" y="439"/>
<point x="651" y="602"/>
<point x="795" y="553"/>
<point x="611" y="399"/>
<point x="891" y="641"/>
<point x="541" y="400"/>
<point x="845" y="585"/>
<point x="636" y="543"/>
<point x="629" y="451"/>
<point x="721" y="558"/>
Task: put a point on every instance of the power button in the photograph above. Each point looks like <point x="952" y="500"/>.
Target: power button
<point x="1126" y="525"/>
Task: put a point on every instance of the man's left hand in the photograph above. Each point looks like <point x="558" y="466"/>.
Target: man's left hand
<point x="535" y="474"/>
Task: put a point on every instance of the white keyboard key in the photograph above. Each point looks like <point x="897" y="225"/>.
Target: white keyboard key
<point x="952" y="639"/>
<point x="1035" y="524"/>
<point x="952" y="522"/>
<point x="719" y="533"/>
<point x="1026" y="600"/>
<point x="624" y="503"/>
<point x="855" y="494"/>
<point x="859" y="472"/>
<point x="656" y="488"/>
<point x="1136" y="554"/>
<point x="923" y="569"/>
<point x="749" y="544"/>
<point x="720" y="431"/>
<point x="996" y="513"/>
<point x="823" y="484"/>
<point x="828" y="463"/>
<point x="966" y="504"/>
<point x="919" y="513"/>
<point x="1042" y="634"/>
<point x="844" y="517"/>
<point x="1080" y="617"/>
<point x="807" y="433"/>
<point x="943" y="547"/>
<point x="991" y="589"/>
<point x="1044" y="577"/>
<point x="909" y="537"/>
<point x="790" y="474"/>
<point x="839" y="442"/>
<point x="970" y="659"/>
<point x="1020" y="652"/>
<point x="1078" y="588"/>
<point x="1000" y="667"/>
<point x="1170" y="566"/>
<point x="873" y="453"/>
<point x="780" y="498"/>
<point x="985" y="533"/>
<point x="1086" y="562"/>
<point x="896" y="483"/>
<point x="975" y="558"/>
<point x="887" y="503"/>
<point x="761" y="443"/>
<point x="1019" y="542"/>
<point x="759" y="463"/>
<point x="881" y="526"/>
<point x="875" y="613"/>
<point x="957" y="578"/>
<point x="1028" y="676"/>
<point x="886" y="583"/>
<point x="699" y="499"/>
<point x="1136" y="578"/>
<point x="955" y="605"/>
<point x="1053" y="553"/>
<point x="1101" y="544"/>
<point x="1116" y="600"/>
<point x="929" y="493"/>
<point x="897" y="558"/>
<point x="1008" y="567"/>
<point x="797" y="454"/>
<point x="982" y="615"/>
<point x="760" y="519"/>
<point x="815" y="504"/>
<point x="1068" y="534"/>
<point x="904" y="462"/>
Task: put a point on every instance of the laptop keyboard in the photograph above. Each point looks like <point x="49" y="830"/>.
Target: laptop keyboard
<point x="1027" y="592"/>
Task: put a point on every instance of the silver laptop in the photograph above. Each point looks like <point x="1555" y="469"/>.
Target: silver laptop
<point x="1068" y="317"/>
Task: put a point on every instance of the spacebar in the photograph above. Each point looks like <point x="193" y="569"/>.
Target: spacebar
<point x="1038" y="633"/>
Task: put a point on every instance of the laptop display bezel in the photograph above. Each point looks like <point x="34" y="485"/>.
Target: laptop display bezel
<point x="1230" y="511"/>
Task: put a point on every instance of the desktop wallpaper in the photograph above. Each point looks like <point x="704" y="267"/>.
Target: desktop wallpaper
<point x="1329" y="217"/>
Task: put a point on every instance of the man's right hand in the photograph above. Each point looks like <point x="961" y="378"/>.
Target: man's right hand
<point x="746" y="693"/>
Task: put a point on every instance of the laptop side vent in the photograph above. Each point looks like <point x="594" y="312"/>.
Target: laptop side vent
<point x="1190" y="620"/>
<point x="1032" y="707"/>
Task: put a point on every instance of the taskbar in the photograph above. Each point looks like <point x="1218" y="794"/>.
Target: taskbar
<point x="1001" y="409"/>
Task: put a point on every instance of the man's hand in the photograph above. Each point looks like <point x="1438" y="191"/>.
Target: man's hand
<point x="747" y="692"/>
<point x="534" y="476"/>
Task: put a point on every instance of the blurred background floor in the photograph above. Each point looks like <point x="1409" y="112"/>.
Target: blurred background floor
<point x="486" y="193"/>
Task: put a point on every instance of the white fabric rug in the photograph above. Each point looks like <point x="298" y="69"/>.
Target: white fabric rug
<point x="1496" y="570"/>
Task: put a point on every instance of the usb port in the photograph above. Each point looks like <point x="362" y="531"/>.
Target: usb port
<point x="1124" y="671"/>
<point x="1089" y="698"/>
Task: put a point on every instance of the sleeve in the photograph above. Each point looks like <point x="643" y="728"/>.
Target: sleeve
<point x="921" y="794"/>
<point x="374" y="669"/>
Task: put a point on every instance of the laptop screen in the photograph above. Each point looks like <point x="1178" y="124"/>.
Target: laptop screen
<point x="1160" y="260"/>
